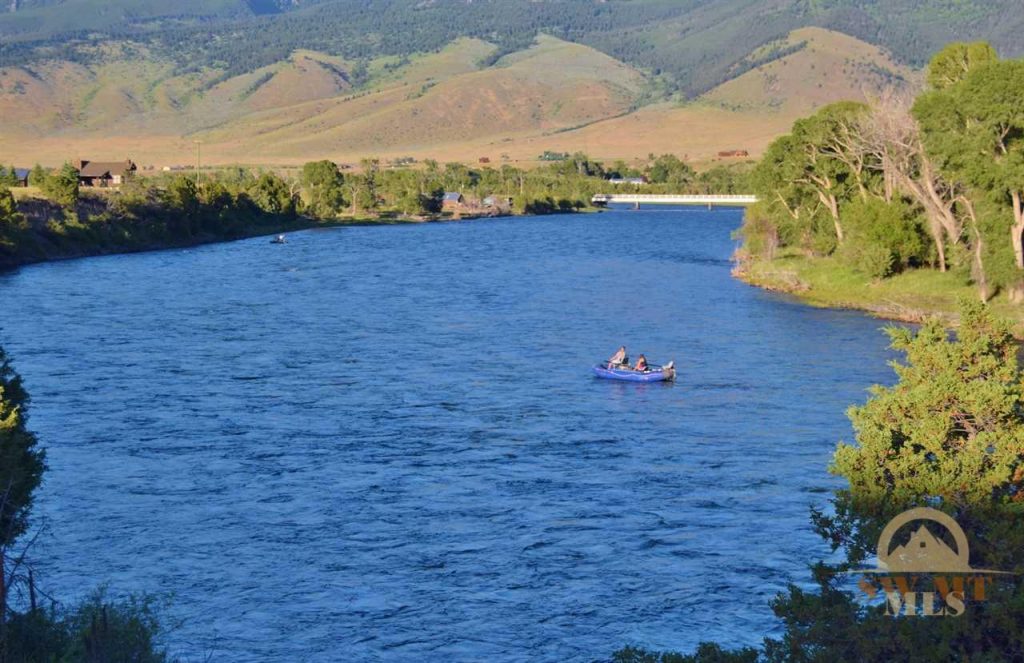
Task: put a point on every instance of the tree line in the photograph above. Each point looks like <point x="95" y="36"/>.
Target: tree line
<point x="935" y="181"/>
<point x="168" y="209"/>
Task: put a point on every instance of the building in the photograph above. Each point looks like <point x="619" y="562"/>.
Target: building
<point x="733" y="153"/>
<point x="497" y="202"/>
<point x="452" y="200"/>
<point x="104" y="173"/>
<point x="21" y="174"/>
<point x="638" y="181"/>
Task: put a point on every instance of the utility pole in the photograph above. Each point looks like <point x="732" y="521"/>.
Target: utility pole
<point x="199" y="146"/>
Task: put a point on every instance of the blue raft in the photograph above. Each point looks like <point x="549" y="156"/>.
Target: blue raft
<point x="666" y="373"/>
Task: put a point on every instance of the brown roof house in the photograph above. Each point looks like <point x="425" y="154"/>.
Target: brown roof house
<point x="104" y="173"/>
<point x="452" y="200"/>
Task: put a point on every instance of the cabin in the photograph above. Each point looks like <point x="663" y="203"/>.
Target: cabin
<point x="452" y="200"/>
<point x="21" y="176"/>
<point x="104" y="173"/>
<point x="727" y="154"/>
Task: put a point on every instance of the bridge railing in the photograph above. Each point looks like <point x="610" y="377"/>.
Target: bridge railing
<point x="698" y="199"/>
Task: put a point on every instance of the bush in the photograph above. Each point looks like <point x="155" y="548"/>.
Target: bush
<point x="96" y="630"/>
<point x="882" y="238"/>
<point x="759" y="232"/>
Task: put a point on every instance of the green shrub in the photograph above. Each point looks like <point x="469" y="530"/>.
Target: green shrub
<point x="882" y="238"/>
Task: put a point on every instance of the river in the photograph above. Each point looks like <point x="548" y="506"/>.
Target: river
<point x="385" y="443"/>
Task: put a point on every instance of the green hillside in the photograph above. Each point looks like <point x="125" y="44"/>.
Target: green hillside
<point x="692" y="45"/>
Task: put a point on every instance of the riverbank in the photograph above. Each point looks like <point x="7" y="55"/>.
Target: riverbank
<point x="99" y="234"/>
<point x="911" y="296"/>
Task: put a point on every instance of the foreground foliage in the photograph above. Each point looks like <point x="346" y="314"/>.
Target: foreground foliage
<point x="98" y="629"/>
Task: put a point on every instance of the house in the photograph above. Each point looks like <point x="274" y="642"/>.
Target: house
<point x="733" y="153"/>
<point x="104" y="173"/>
<point x="638" y="181"/>
<point x="452" y="200"/>
<point x="21" y="174"/>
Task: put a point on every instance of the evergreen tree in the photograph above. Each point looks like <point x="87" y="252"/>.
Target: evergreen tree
<point x="62" y="186"/>
<point x="952" y="426"/>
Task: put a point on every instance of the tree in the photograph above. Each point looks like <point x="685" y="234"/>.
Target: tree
<point x="670" y="169"/>
<point x="8" y="176"/>
<point x="891" y="139"/>
<point x="952" y="426"/>
<point x="952" y="64"/>
<point x="323" y="186"/>
<point x="8" y="208"/>
<point x="272" y="195"/>
<point x="182" y="197"/>
<point x="21" y="470"/>
<point x="364" y="187"/>
<point x="828" y="159"/>
<point x="788" y="208"/>
<point x="975" y="131"/>
<point x="37" y="176"/>
<point x="62" y="186"/>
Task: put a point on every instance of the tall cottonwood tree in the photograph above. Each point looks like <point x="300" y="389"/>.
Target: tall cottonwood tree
<point x="323" y="186"/>
<point x="974" y="129"/>
<point x="952" y="64"/>
<point x="890" y="138"/>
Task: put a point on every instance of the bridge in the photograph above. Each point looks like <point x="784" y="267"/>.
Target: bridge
<point x="635" y="199"/>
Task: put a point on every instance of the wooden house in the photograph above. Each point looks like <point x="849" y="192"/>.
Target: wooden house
<point x="104" y="173"/>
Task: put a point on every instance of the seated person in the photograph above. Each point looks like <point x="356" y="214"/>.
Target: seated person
<point x="641" y="364"/>
<point x="619" y="358"/>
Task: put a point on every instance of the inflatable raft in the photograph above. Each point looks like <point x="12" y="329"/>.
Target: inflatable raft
<point x="666" y="373"/>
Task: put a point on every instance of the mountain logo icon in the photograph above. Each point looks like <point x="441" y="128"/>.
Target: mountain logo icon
<point x="925" y="552"/>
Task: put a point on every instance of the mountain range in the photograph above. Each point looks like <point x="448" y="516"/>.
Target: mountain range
<point x="283" y="81"/>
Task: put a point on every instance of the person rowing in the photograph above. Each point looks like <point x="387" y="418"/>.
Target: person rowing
<point x="619" y="359"/>
<point x="641" y="364"/>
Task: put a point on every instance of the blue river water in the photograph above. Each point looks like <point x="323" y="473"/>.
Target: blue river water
<point x="385" y="443"/>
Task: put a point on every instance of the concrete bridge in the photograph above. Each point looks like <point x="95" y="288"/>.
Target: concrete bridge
<point x="636" y="199"/>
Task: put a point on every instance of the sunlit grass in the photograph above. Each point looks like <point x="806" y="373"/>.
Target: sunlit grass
<point x="912" y="295"/>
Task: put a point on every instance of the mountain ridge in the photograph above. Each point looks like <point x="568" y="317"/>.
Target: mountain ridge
<point x="450" y="105"/>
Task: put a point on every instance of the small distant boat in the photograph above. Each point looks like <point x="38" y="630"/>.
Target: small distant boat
<point x="279" y="240"/>
<point x="666" y="373"/>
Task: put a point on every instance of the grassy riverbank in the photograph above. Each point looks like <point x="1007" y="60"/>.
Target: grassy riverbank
<point x="910" y="296"/>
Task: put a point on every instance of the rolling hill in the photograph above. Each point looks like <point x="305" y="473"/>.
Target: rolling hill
<point x="554" y="95"/>
<point x="449" y="79"/>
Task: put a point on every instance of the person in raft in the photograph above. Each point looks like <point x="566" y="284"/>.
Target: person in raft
<point x="641" y="363"/>
<point x="619" y="359"/>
